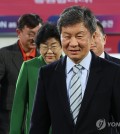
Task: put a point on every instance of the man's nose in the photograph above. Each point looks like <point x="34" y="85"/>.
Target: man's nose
<point x="73" y="42"/>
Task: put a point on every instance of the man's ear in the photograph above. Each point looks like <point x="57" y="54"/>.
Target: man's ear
<point x="93" y="38"/>
<point x="94" y="35"/>
<point x="105" y="38"/>
<point x="18" y="32"/>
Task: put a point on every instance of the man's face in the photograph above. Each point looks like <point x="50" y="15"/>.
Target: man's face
<point x="76" y="41"/>
<point x="27" y="36"/>
<point x="100" y="40"/>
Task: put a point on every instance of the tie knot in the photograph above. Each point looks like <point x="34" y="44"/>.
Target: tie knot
<point x="76" y="68"/>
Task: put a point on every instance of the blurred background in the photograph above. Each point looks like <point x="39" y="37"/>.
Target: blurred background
<point x="107" y="11"/>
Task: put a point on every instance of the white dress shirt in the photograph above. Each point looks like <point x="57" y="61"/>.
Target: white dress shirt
<point x="102" y="55"/>
<point x="85" y="63"/>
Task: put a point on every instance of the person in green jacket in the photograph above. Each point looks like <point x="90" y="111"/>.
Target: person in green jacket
<point x="49" y="45"/>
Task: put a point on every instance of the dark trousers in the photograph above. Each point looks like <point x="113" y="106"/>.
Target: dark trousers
<point x="4" y="121"/>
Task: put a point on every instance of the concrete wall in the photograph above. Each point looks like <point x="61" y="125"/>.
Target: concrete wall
<point x="5" y="41"/>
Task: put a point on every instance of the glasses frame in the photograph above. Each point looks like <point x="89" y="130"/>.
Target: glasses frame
<point x="52" y="48"/>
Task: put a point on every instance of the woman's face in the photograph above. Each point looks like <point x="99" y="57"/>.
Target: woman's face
<point x="51" y="50"/>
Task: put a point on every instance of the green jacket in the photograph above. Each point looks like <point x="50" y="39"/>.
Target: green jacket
<point x="24" y="95"/>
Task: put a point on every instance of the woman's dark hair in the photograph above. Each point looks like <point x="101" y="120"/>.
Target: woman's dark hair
<point x="29" y="20"/>
<point x="47" y="31"/>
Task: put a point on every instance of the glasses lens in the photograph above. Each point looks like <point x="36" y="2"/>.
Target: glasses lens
<point x="52" y="48"/>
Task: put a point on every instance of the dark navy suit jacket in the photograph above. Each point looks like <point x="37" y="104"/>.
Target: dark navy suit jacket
<point x="101" y="99"/>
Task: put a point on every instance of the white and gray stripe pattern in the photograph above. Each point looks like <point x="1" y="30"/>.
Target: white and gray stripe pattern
<point x="75" y="92"/>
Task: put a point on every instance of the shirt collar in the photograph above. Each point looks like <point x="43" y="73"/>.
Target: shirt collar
<point x="85" y="63"/>
<point x="30" y="56"/>
<point x="102" y="55"/>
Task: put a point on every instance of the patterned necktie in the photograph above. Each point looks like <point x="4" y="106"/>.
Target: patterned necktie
<point x="75" y="92"/>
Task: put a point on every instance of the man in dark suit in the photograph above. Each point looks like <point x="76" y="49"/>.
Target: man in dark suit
<point x="11" y="59"/>
<point x="98" y="48"/>
<point x="98" y="79"/>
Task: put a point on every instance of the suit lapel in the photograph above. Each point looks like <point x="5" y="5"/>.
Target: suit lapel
<point x="62" y="88"/>
<point x="107" y="56"/>
<point x="94" y="77"/>
<point x="17" y="57"/>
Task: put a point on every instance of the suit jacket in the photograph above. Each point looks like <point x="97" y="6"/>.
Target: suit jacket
<point x="117" y="61"/>
<point x="24" y="95"/>
<point x="10" y="63"/>
<point x="113" y="59"/>
<point x="101" y="99"/>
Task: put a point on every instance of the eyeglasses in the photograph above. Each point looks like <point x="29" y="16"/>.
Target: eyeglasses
<point x="52" y="48"/>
